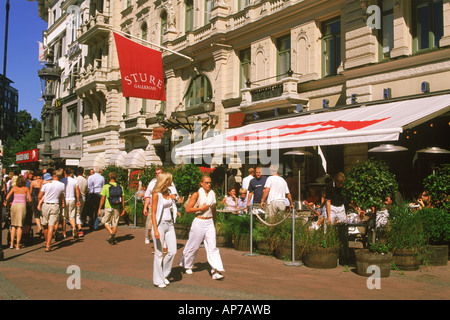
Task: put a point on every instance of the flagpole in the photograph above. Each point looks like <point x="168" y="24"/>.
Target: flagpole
<point x="153" y="44"/>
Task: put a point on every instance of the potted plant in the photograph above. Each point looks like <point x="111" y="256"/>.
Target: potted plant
<point x="377" y="254"/>
<point x="223" y="230"/>
<point x="436" y="227"/>
<point x="405" y="234"/>
<point x="368" y="184"/>
<point x="322" y="248"/>
<point x="262" y="238"/>
<point x="183" y="224"/>
<point x="240" y="227"/>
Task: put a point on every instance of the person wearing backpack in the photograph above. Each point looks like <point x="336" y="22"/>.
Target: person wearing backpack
<point x="112" y="197"/>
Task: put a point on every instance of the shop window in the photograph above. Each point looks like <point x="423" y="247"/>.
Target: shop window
<point x="331" y="47"/>
<point x="428" y="19"/>
<point x="72" y="117"/>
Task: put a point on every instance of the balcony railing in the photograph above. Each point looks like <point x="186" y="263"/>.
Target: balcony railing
<point x="92" y="30"/>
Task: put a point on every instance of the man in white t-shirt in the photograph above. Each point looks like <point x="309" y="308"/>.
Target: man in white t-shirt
<point x="247" y="179"/>
<point x="53" y="194"/>
<point x="83" y="187"/>
<point x="72" y="197"/>
<point x="275" y="192"/>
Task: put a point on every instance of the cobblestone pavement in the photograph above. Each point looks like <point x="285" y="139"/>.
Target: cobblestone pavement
<point x="124" y="272"/>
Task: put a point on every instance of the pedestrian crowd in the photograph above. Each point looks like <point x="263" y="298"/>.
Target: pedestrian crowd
<point x="65" y="198"/>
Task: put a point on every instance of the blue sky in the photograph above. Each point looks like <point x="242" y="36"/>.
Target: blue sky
<point x="25" y="29"/>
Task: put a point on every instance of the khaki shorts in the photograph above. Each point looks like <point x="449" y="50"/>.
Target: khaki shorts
<point x="70" y="209"/>
<point x="111" y="217"/>
<point x="50" y="214"/>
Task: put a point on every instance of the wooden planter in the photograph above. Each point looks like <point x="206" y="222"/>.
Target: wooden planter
<point x="406" y="259"/>
<point x="222" y="240"/>
<point x="264" y="247"/>
<point x="284" y="250"/>
<point x="365" y="258"/>
<point x="321" y="258"/>
<point x="182" y="232"/>
<point x="242" y="242"/>
<point x="437" y="255"/>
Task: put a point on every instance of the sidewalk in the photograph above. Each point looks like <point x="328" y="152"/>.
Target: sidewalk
<point x="124" y="271"/>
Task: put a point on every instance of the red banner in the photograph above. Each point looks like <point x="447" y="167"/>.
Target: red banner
<point x="27" y="156"/>
<point x="141" y="70"/>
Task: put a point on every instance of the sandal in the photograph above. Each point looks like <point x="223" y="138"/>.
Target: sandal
<point x="48" y="249"/>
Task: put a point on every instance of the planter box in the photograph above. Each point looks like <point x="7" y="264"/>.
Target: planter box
<point x="365" y="258"/>
<point x="321" y="258"/>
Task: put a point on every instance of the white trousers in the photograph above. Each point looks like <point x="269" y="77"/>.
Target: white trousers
<point x="163" y="267"/>
<point x="202" y="230"/>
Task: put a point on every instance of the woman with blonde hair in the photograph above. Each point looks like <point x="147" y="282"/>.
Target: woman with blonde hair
<point x="203" y="204"/>
<point x="18" y="209"/>
<point x="164" y="214"/>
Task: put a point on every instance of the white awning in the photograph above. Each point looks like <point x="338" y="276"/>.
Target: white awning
<point x="118" y="159"/>
<point x="135" y="159"/>
<point x="374" y="123"/>
<point x="93" y="161"/>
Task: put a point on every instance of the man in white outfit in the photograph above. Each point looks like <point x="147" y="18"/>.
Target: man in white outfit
<point x="72" y="197"/>
<point x="275" y="192"/>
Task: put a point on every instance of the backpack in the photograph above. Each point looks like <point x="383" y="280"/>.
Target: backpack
<point x="115" y="194"/>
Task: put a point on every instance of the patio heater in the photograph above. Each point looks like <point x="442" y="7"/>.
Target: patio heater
<point x="296" y="153"/>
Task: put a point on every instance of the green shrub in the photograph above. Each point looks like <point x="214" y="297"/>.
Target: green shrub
<point x="122" y="175"/>
<point x="405" y="228"/>
<point x="438" y="185"/>
<point x="325" y="237"/>
<point x="436" y="225"/>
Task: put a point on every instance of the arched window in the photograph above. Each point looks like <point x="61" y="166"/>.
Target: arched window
<point x="199" y="91"/>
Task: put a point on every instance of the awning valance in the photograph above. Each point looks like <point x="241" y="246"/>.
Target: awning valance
<point x="118" y="159"/>
<point x="135" y="159"/>
<point x="93" y="161"/>
<point x="374" y="123"/>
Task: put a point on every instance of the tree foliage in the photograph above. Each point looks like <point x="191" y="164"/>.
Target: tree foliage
<point x="27" y="137"/>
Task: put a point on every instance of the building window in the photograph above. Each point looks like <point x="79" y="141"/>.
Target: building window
<point x="428" y="18"/>
<point x="245" y="59"/>
<point x="144" y="31"/>
<point x="56" y="127"/>
<point x="331" y="47"/>
<point x="242" y="4"/>
<point x="387" y="29"/>
<point x="283" y="56"/>
<point x="189" y="23"/>
<point x="163" y="26"/>
<point x="199" y="91"/>
<point x="72" y="117"/>
<point x="208" y="9"/>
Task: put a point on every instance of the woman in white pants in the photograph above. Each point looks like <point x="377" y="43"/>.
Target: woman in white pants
<point x="203" y="205"/>
<point x="164" y="214"/>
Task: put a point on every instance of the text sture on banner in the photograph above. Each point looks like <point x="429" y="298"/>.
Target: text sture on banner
<point x="141" y="70"/>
